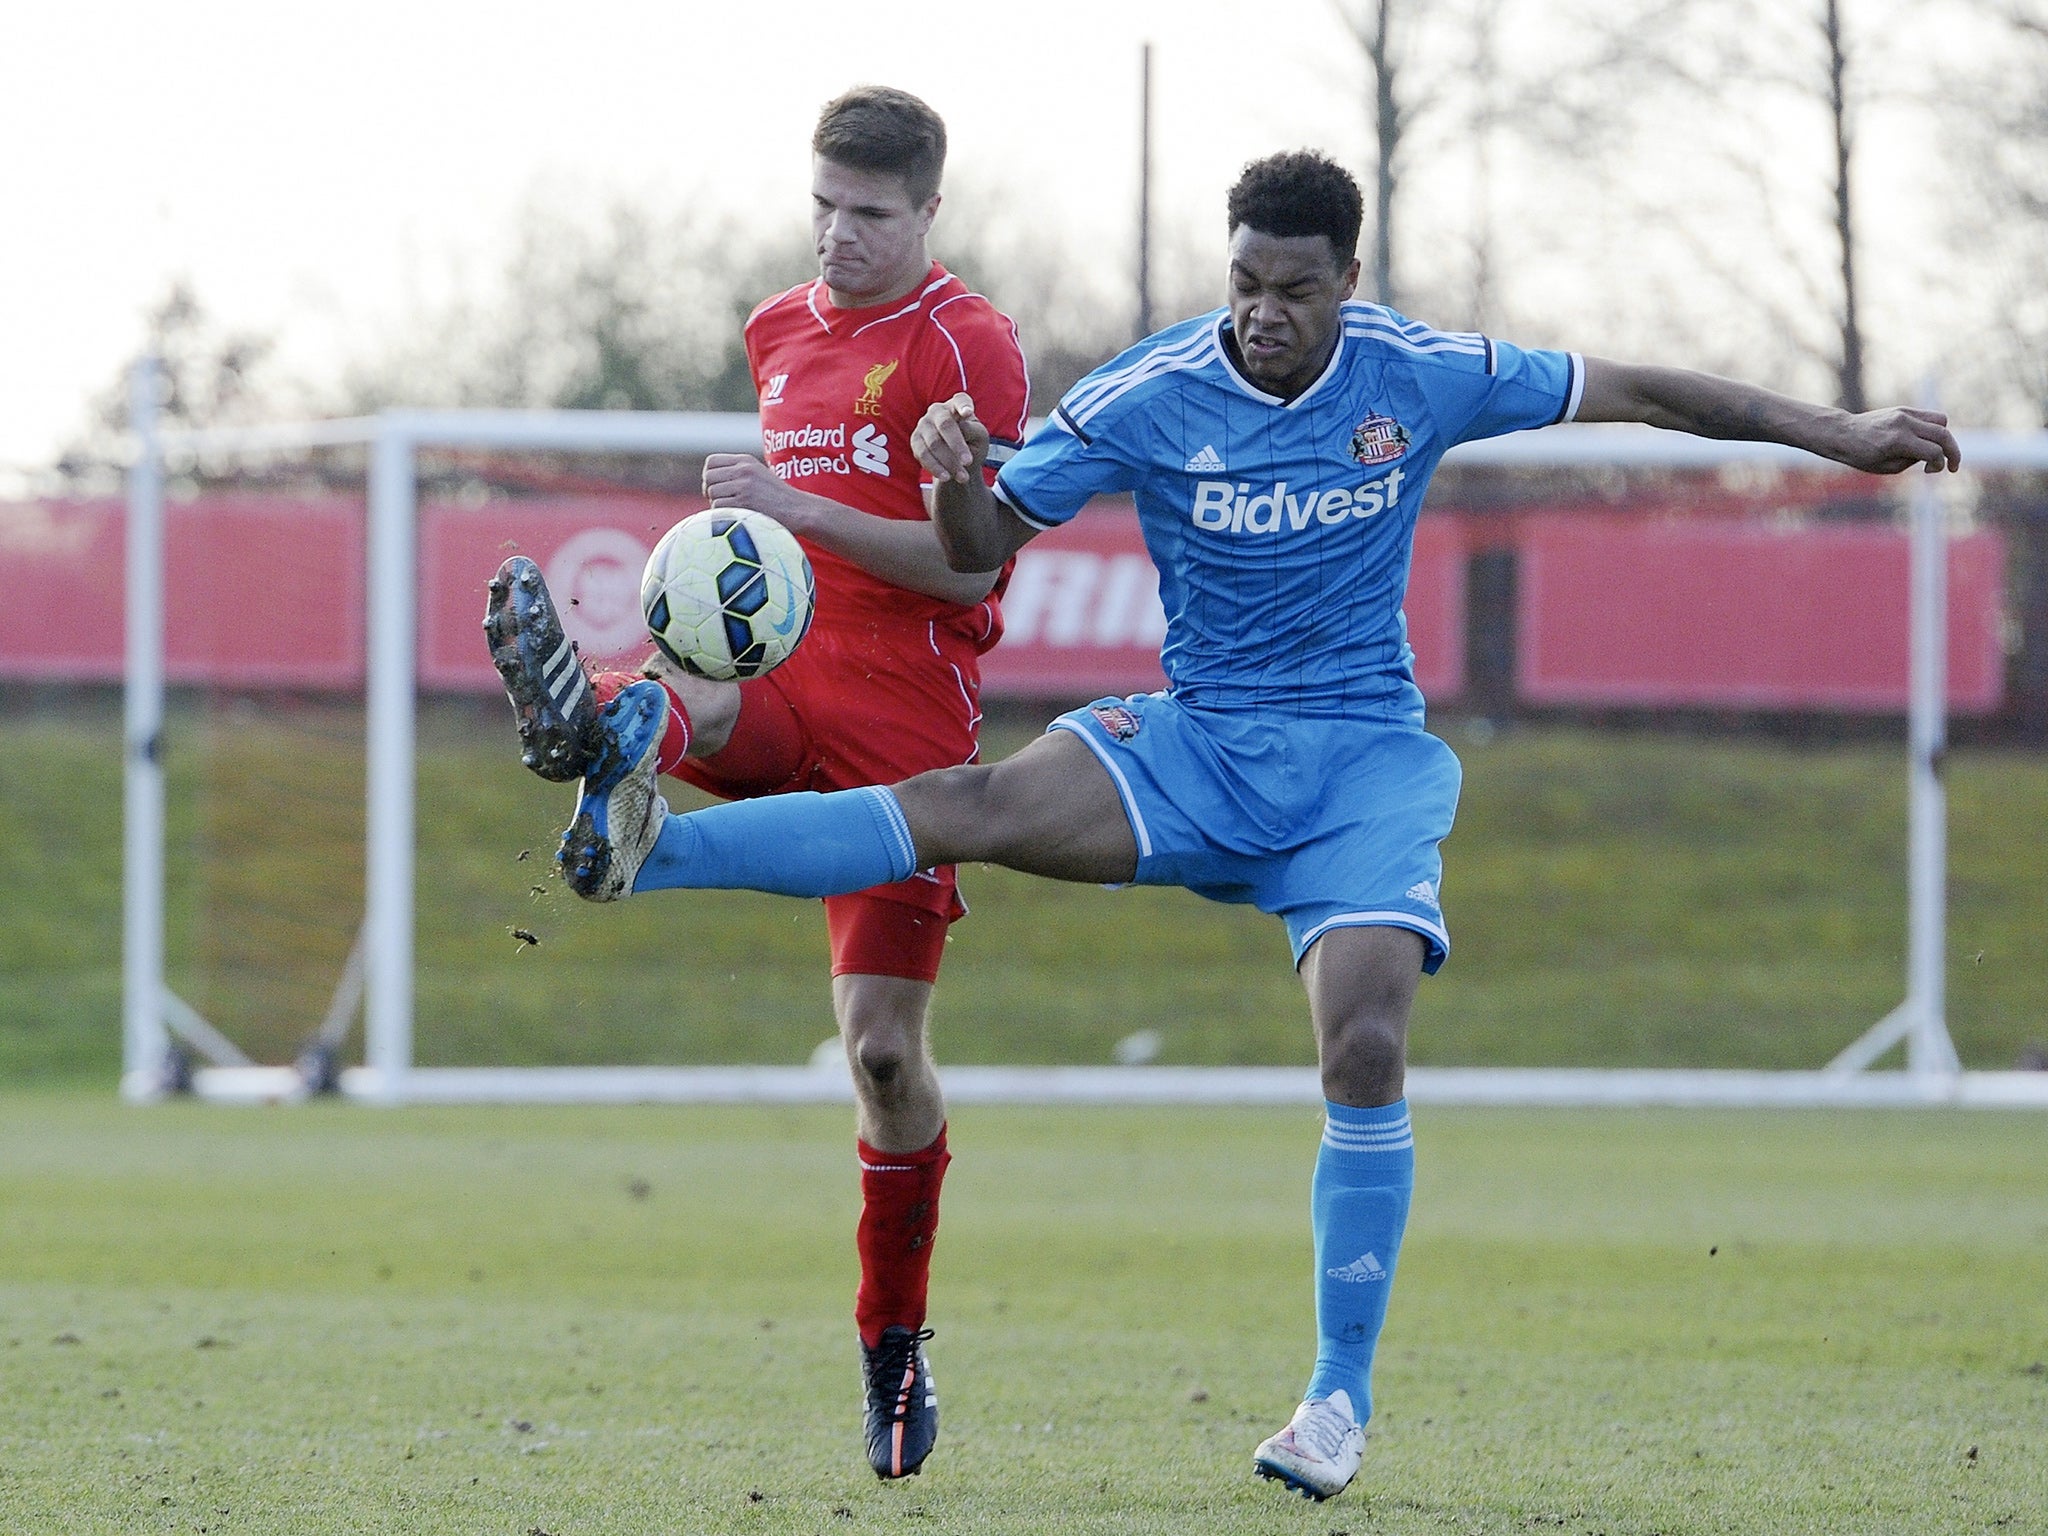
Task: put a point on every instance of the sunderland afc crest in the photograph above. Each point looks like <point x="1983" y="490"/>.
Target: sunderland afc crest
<point x="870" y="401"/>
<point x="1119" y="721"/>
<point x="1378" y="440"/>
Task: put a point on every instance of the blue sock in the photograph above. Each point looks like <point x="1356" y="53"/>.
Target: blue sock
<point x="1365" y="1173"/>
<point x="793" y="845"/>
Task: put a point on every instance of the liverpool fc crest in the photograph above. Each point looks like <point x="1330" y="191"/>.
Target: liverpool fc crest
<point x="869" y="402"/>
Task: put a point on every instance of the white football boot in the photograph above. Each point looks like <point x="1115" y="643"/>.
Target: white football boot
<point x="620" y="815"/>
<point x="1317" y="1454"/>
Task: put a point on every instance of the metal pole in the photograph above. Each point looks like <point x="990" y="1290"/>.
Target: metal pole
<point x="1144" y="192"/>
<point x="1930" y="1054"/>
<point x="144" y="1042"/>
<point x="1921" y="1019"/>
<point x="388" y="898"/>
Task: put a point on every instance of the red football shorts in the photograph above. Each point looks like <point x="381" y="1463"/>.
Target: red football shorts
<point x="857" y="706"/>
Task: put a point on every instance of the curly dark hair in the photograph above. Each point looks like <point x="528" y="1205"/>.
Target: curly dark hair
<point x="1300" y="192"/>
<point x="879" y="128"/>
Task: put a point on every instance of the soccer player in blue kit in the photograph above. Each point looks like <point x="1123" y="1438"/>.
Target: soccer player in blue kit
<point x="1278" y="450"/>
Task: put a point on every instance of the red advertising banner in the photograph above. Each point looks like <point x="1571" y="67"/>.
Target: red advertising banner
<point x="1435" y="605"/>
<point x="62" y="564"/>
<point x="590" y="549"/>
<point x="1617" y="610"/>
<point x="260" y="591"/>
<point x="268" y="591"/>
<point x="1082" y="614"/>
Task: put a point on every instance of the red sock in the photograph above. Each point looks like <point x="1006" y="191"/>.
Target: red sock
<point x="899" y="1217"/>
<point x="675" y="737"/>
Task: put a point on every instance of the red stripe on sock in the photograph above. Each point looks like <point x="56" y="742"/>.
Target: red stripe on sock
<point x="899" y="1218"/>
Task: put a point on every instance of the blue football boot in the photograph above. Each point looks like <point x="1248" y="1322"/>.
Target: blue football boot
<point x="619" y="812"/>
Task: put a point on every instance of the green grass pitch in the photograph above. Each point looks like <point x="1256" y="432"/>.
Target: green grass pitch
<point x="334" y="1319"/>
<point x="1617" y="899"/>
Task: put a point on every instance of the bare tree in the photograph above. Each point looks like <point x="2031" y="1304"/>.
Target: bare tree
<point x="1486" y="90"/>
<point x="1851" y="394"/>
<point x="1372" y="23"/>
<point x="1994" y="103"/>
<point x="629" y="310"/>
<point x="1753" y="80"/>
<point x="642" y="309"/>
<point x="1453" y="102"/>
<point x="212" y="375"/>
<point x="1070" y="313"/>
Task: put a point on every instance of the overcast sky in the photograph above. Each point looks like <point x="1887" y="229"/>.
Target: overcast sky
<point x="309" y="167"/>
<point x="318" y="174"/>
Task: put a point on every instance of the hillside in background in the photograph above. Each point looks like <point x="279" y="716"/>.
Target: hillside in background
<point x="1615" y="899"/>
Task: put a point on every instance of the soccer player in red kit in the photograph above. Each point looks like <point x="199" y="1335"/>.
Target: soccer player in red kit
<point x="885" y="685"/>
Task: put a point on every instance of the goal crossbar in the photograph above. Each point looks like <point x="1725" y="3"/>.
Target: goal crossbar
<point x="151" y="1013"/>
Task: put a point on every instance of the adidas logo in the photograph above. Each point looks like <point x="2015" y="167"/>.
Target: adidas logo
<point x="1361" y="1269"/>
<point x="1208" y="461"/>
<point x="1424" y="891"/>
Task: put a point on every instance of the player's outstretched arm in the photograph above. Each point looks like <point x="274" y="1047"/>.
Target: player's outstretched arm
<point x="1884" y="442"/>
<point x="906" y="554"/>
<point x="977" y="532"/>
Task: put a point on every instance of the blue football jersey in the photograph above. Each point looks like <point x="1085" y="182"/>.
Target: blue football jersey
<point x="1282" y="529"/>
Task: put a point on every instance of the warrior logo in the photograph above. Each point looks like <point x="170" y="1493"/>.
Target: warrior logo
<point x="1120" y="722"/>
<point x="1379" y="440"/>
<point x="870" y="402"/>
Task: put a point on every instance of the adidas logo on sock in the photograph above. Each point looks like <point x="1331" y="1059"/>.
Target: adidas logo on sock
<point x="1361" y="1269"/>
<point x="1208" y="461"/>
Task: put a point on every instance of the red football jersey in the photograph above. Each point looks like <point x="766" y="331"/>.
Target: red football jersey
<point x="841" y="391"/>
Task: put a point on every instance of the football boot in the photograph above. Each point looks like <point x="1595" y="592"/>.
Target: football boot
<point x="903" y="1405"/>
<point x="619" y="812"/>
<point x="1317" y="1454"/>
<point x="560" y="735"/>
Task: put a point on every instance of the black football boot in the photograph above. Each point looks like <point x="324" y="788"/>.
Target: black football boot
<point x="560" y="734"/>
<point x="903" y="1405"/>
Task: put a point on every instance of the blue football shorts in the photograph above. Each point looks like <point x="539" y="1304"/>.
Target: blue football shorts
<point x="1324" y="823"/>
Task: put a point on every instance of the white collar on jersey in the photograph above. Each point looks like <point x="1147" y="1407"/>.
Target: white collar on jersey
<point x="1237" y="377"/>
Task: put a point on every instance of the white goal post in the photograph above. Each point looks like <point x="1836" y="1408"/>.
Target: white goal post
<point x="379" y="974"/>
